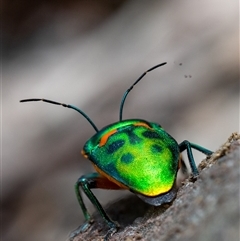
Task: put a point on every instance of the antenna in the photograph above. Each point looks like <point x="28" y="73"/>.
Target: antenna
<point x="65" y="105"/>
<point x="128" y="90"/>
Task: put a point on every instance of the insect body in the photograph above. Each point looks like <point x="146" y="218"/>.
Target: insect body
<point x="131" y="154"/>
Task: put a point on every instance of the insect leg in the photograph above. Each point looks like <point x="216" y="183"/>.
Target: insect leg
<point x="186" y="145"/>
<point x="87" y="182"/>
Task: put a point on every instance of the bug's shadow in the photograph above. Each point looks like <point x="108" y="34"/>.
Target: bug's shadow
<point x="124" y="211"/>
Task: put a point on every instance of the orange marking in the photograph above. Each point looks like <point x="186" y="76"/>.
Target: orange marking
<point x="104" y="183"/>
<point x="84" y="154"/>
<point x="119" y="184"/>
<point x="143" y="124"/>
<point x="106" y="136"/>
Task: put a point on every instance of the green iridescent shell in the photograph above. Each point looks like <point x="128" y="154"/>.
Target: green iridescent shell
<point x="136" y="153"/>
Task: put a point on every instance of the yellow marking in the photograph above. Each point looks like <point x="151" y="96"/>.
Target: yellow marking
<point x="106" y="136"/>
<point x="153" y="193"/>
<point x="109" y="178"/>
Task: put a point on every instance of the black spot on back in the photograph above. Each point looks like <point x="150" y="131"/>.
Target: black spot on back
<point x="156" y="148"/>
<point x="133" y="138"/>
<point x="127" y="158"/>
<point x="150" y="134"/>
<point x="115" y="146"/>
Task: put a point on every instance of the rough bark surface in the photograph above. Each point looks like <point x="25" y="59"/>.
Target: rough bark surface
<point x="206" y="209"/>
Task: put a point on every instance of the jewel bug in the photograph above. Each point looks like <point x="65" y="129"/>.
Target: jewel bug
<point x="132" y="154"/>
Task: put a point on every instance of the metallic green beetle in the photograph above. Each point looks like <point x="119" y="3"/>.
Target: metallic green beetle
<point x="131" y="154"/>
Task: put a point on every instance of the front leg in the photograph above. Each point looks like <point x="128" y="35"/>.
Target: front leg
<point x="87" y="182"/>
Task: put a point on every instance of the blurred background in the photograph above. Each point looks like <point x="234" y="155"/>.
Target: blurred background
<point x="87" y="53"/>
